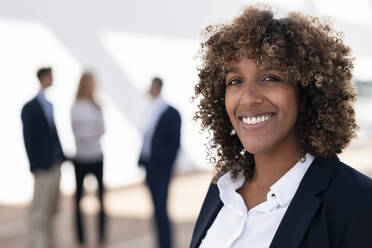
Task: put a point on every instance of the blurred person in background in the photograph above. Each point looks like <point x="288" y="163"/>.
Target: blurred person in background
<point x="88" y="127"/>
<point x="277" y="98"/>
<point x="158" y="154"/>
<point x="45" y="154"/>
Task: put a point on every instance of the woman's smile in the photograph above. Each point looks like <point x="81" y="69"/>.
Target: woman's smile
<point x="253" y="121"/>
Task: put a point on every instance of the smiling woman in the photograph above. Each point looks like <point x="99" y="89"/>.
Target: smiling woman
<point x="306" y="53"/>
<point x="276" y="95"/>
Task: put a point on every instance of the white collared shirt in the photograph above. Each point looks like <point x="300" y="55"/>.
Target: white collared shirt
<point x="236" y="227"/>
<point x="157" y="109"/>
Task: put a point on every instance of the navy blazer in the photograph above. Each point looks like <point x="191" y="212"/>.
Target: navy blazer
<point x="165" y="142"/>
<point x="41" y="141"/>
<point x="331" y="208"/>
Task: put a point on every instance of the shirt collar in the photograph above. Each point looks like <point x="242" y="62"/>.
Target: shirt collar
<point x="158" y="106"/>
<point x="158" y="101"/>
<point x="227" y="187"/>
<point x="41" y="95"/>
<point x="284" y="189"/>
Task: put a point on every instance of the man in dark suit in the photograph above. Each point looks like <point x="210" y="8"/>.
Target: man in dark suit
<point x="332" y="208"/>
<point x="45" y="156"/>
<point x="160" y="146"/>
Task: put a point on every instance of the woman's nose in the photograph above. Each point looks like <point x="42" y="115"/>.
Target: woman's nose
<point x="251" y="96"/>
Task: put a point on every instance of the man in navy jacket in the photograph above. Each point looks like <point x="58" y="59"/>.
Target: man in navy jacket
<point x="158" y="154"/>
<point x="45" y="155"/>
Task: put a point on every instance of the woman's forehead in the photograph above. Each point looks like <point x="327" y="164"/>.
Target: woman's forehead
<point x="265" y="65"/>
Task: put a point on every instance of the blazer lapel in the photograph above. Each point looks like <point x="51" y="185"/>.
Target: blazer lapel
<point x="211" y="206"/>
<point x="304" y="204"/>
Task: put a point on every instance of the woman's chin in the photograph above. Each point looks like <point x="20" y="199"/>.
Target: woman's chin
<point x="256" y="150"/>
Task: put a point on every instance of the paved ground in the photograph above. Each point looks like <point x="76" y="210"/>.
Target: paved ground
<point x="130" y="223"/>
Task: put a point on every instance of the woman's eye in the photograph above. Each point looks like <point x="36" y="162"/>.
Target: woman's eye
<point x="234" y="82"/>
<point x="270" y="78"/>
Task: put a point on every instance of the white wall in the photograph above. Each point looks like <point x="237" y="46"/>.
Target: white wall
<point x="125" y="43"/>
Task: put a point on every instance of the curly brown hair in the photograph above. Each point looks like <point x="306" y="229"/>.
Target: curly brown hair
<point x="309" y="53"/>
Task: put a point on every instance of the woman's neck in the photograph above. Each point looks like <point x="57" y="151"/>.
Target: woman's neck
<point x="271" y="166"/>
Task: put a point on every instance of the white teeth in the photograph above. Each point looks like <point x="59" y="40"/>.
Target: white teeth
<point x="255" y="120"/>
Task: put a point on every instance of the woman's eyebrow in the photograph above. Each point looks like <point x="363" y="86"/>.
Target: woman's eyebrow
<point x="232" y="70"/>
<point x="269" y="67"/>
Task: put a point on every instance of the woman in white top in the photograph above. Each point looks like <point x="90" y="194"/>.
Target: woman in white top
<point x="88" y="128"/>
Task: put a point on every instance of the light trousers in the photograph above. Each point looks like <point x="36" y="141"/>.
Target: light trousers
<point x="44" y="208"/>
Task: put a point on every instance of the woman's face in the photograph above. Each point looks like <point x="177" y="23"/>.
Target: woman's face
<point x="262" y="107"/>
